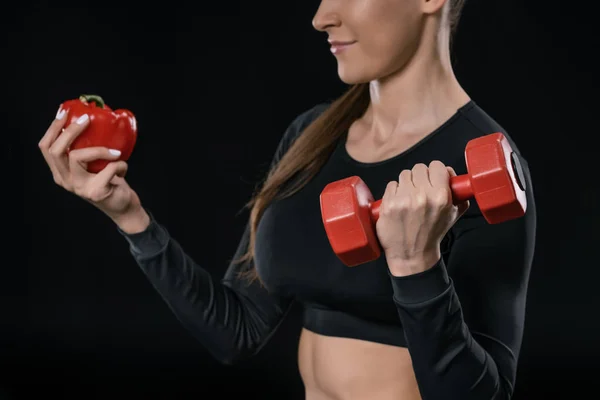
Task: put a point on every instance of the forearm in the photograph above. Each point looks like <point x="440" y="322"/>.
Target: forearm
<point x="230" y="324"/>
<point x="449" y="362"/>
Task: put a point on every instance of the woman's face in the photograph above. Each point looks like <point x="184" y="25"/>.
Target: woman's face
<point x="381" y="35"/>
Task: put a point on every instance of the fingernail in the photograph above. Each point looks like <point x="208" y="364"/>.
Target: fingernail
<point x="60" y="113"/>
<point x="114" y="152"/>
<point x="83" y="119"/>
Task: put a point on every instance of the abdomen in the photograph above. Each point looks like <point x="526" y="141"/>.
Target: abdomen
<point x="350" y="369"/>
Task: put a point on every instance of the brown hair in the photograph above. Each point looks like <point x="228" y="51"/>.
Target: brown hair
<point x="456" y="7"/>
<point x="310" y="151"/>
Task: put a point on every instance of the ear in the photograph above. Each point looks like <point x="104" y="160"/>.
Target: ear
<point x="433" y="6"/>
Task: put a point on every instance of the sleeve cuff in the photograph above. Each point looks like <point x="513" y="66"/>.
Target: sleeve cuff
<point x="421" y="287"/>
<point x="150" y="241"/>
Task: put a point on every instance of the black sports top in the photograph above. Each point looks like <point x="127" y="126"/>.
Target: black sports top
<point x="462" y="320"/>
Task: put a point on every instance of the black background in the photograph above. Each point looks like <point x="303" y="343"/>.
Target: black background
<point x="213" y="87"/>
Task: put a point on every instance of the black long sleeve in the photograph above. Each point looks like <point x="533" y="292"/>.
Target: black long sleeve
<point x="230" y="317"/>
<point x="463" y="322"/>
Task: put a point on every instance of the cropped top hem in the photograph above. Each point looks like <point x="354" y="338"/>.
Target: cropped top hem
<point x="334" y="323"/>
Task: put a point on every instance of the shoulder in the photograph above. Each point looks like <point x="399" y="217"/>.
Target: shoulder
<point x="298" y="125"/>
<point x="476" y="122"/>
<point x="482" y="123"/>
<point x="305" y="118"/>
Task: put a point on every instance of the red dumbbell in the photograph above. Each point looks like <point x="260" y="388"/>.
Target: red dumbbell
<point x="495" y="179"/>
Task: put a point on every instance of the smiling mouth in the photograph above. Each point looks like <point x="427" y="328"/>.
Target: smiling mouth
<point x="338" y="47"/>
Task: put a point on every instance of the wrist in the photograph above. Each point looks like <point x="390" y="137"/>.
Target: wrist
<point x="414" y="265"/>
<point x="133" y="221"/>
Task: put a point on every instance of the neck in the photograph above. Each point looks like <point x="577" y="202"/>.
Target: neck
<point x="418" y="98"/>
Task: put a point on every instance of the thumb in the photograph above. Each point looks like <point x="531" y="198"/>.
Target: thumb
<point x="112" y="170"/>
<point x="451" y="171"/>
<point x="461" y="209"/>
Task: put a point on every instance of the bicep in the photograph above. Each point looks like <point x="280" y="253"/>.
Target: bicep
<point x="490" y="266"/>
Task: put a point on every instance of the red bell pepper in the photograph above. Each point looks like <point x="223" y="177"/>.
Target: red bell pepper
<point x="107" y="128"/>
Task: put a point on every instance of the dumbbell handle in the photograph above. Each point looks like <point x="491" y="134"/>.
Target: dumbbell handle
<point x="459" y="185"/>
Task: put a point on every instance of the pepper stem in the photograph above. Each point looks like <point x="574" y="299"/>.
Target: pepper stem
<point x="87" y="98"/>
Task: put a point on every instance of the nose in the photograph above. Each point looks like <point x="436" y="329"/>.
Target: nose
<point x="326" y="16"/>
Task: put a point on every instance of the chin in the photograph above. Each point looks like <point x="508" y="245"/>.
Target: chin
<point x="354" y="75"/>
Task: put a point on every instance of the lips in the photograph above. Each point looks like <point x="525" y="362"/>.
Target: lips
<point x="339" y="45"/>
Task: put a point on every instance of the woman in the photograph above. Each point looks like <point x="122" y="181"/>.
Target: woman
<point x="440" y="315"/>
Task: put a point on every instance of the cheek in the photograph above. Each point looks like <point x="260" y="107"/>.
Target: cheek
<point x="387" y="37"/>
<point x="380" y="54"/>
<point x="392" y="28"/>
<point x="390" y="44"/>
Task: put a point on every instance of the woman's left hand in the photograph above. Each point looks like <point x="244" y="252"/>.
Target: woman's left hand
<point x="415" y="214"/>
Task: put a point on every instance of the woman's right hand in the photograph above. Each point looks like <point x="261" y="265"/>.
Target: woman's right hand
<point x="107" y="190"/>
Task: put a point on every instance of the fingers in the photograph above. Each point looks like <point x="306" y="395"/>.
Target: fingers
<point x="62" y="142"/>
<point x="428" y="186"/>
<point x="390" y="189"/>
<point x="112" y="170"/>
<point x="388" y="196"/>
<point x="423" y="191"/>
<point x="79" y="158"/>
<point x="48" y="139"/>
<point x="58" y="149"/>
<point x="100" y="186"/>
<point x="54" y="129"/>
<point x="420" y="176"/>
<point x="439" y="175"/>
<point x="405" y="179"/>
